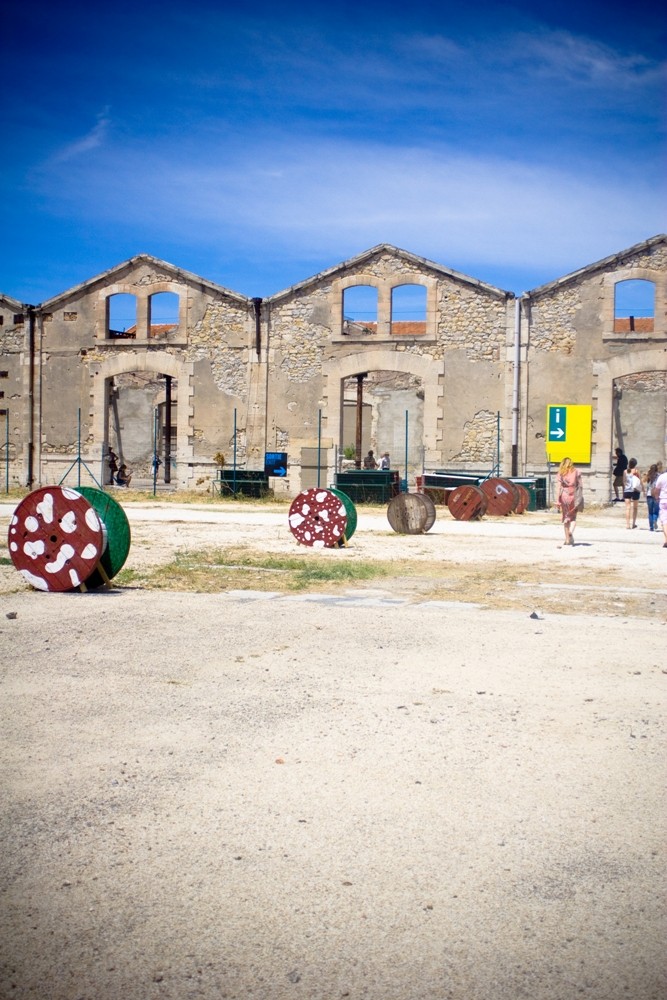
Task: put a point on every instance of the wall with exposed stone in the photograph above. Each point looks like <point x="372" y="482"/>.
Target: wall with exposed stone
<point x="283" y="384"/>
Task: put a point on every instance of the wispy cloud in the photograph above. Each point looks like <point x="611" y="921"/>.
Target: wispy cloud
<point x="318" y="197"/>
<point x="92" y="140"/>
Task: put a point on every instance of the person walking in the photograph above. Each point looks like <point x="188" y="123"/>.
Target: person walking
<point x="620" y="465"/>
<point x="660" y="494"/>
<point x="632" y="485"/>
<point x="569" y="497"/>
<point x="652" y="506"/>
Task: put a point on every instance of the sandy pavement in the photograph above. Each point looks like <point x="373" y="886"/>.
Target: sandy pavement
<point x="353" y="794"/>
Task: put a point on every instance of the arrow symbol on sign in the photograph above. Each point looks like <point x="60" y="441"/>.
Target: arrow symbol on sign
<point x="557" y="433"/>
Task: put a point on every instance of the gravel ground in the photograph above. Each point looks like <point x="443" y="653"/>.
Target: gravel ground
<point x="357" y="793"/>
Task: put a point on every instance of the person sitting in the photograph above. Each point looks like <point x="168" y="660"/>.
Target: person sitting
<point x="369" y="461"/>
<point x="384" y="461"/>
<point x="124" y="477"/>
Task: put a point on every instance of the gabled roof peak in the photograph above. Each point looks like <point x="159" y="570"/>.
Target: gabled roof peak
<point x="178" y="273"/>
<point x="388" y="248"/>
<point x="599" y="265"/>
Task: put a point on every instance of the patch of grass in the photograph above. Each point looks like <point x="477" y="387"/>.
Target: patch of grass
<point x="207" y="570"/>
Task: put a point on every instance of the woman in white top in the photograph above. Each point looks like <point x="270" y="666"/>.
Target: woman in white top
<point x="632" y="486"/>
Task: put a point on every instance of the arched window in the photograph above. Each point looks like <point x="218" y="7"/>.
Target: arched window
<point x="163" y="310"/>
<point x="634" y="306"/>
<point x="408" y="310"/>
<point x="360" y="310"/>
<point x="122" y="316"/>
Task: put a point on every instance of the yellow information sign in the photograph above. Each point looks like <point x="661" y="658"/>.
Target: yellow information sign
<point x="569" y="432"/>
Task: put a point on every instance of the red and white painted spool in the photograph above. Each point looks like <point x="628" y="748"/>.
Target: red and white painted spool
<point x="55" y="539"/>
<point x="318" y="518"/>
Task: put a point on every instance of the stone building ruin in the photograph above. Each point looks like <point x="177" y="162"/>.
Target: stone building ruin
<point x="455" y="373"/>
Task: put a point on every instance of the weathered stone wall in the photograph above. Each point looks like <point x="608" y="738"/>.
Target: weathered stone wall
<point x="454" y="372"/>
<point x="472" y="321"/>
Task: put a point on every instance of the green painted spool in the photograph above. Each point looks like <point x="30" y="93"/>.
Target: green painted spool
<point x="350" y="510"/>
<point x="114" y="519"/>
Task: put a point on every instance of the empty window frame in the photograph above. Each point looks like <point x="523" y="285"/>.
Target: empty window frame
<point x="122" y="316"/>
<point x="360" y="310"/>
<point x="163" y="313"/>
<point x="634" y="306"/>
<point x="408" y="310"/>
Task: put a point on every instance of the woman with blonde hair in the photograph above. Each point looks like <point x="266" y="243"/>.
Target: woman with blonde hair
<point x="569" y="497"/>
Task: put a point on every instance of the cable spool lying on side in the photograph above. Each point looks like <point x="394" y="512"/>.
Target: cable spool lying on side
<point x="351" y="512"/>
<point x="467" y="503"/>
<point x="317" y="517"/>
<point x="523" y="502"/>
<point x="411" y="513"/>
<point x="502" y="496"/>
<point x="58" y="541"/>
<point x="119" y="536"/>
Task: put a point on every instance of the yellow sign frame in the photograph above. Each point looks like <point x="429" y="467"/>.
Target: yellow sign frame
<point x="569" y="432"/>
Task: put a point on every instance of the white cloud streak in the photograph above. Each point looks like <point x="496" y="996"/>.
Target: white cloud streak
<point x="87" y="143"/>
<point x="314" y="198"/>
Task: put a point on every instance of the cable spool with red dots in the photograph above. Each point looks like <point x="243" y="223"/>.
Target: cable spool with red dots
<point x="56" y="539"/>
<point x="317" y="517"/>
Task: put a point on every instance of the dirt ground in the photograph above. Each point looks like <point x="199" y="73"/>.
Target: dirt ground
<point x="441" y="783"/>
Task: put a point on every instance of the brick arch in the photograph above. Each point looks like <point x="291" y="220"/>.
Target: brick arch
<point x="159" y="363"/>
<point x="427" y="368"/>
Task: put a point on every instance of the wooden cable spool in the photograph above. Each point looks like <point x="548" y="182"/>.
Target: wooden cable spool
<point x="351" y="512"/>
<point x="56" y="539"/>
<point x="523" y="502"/>
<point x="117" y="526"/>
<point x="317" y="517"/>
<point x="501" y="496"/>
<point x="430" y="511"/>
<point x="467" y="503"/>
<point x="411" y="513"/>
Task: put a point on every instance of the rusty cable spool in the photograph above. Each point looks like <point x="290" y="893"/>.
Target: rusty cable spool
<point x="56" y="539"/>
<point x="351" y="512"/>
<point x="317" y="517"/>
<point x="409" y="513"/>
<point x="467" y="503"/>
<point x="117" y="527"/>
<point x="523" y="502"/>
<point x="501" y="496"/>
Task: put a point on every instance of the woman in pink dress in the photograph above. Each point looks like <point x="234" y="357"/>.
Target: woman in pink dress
<point x="569" y="497"/>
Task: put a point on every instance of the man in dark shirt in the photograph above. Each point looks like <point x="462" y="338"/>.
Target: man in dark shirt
<point x="619" y="468"/>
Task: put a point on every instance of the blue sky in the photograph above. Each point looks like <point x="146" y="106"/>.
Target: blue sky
<point x="259" y="144"/>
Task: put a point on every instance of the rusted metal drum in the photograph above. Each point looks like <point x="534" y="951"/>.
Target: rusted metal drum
<point x="351" y="512"/>
<point x="56" y="539"/>
<point x="467" y="503"/>
<point x="523" y="502"/>
<point x="119" y="536"/>
<point x="318" y="518"/>
<point x="501" y="496"/>
<point x="410" y="513"/>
